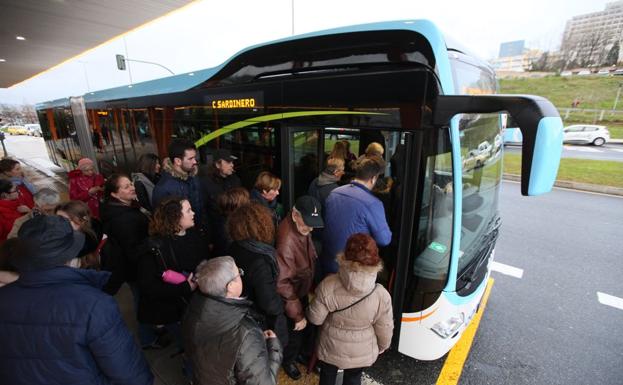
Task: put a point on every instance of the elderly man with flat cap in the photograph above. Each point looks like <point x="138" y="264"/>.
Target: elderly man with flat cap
<point x="56" y="324"/>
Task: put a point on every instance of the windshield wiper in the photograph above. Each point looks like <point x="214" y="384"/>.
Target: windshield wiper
<point x="488" y="240"/>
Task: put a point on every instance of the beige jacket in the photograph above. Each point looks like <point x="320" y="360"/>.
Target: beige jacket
<point x="352" y="338"/>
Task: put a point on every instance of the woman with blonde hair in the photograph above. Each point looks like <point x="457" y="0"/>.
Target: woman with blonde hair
<point x="266" y="191"/>
<point x="252" y="232"/>
<point x="340" y="151"/>
<point x="354" y="312"/>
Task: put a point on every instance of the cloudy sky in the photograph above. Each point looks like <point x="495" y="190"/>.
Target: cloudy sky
<point x="208" y="32"/>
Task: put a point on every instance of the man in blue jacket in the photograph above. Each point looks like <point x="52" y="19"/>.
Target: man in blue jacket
<point x="56" y="324"/>
<point x="179" y="178"/>
<point x="351" y="209"/>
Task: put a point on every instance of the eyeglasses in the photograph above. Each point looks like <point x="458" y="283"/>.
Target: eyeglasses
<point x="240" y="274"/>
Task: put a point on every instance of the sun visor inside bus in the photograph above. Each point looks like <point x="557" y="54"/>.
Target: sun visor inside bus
<point x="540" y="125"/>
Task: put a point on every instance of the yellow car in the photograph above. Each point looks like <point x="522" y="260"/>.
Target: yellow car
<point x="17" y="130"/>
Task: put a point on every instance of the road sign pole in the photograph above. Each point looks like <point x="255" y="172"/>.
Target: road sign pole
<point x="3" y="146"/>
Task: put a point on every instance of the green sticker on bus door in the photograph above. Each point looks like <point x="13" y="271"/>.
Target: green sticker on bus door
<point x="438" y="247"/>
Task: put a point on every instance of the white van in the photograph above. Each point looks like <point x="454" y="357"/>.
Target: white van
<point x="33" y="129"/>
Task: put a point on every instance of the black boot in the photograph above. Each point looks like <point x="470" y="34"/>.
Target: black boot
<point x="292" y="371"/>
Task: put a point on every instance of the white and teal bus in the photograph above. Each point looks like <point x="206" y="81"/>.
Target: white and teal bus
<point x="281" y="106"/>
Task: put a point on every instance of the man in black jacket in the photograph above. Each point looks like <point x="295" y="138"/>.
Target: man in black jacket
<point x="220" y="179"/>
<point x="222" y="340"/>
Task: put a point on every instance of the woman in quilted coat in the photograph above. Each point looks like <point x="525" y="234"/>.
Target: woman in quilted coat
<point x="354" y="312"/>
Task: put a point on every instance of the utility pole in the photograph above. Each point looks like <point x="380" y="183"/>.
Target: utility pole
<point x="5" y="153"/>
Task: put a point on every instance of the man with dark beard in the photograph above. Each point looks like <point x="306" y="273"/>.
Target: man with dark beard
<point x="179" y="177"/>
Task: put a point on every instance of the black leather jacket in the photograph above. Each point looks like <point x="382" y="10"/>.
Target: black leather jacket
<point x="225" y="344"/>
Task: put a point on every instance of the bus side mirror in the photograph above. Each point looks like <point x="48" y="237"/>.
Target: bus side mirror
<point x="540" y="125"/>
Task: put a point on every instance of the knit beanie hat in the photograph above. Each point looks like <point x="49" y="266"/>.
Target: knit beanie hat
<point x="85" y="163"/>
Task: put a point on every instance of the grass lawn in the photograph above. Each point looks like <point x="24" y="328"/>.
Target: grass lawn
<point x="594" y="92"/>
<point x="600" y="172"/>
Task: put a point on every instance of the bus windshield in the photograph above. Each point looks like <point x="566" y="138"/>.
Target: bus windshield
<point x="481" y="159"/>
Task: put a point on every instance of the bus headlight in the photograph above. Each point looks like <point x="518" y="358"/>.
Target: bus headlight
<point x="447" y="328"/>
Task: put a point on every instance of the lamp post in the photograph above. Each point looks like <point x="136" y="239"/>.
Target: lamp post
<point x="86" y="76"/>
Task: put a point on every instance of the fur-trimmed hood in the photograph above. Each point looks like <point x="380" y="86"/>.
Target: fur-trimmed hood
<point x="167" y="166"/>
<point x="356" y="277"/>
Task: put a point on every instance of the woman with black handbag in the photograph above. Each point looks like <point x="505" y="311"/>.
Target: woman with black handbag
<point x="354" y="312"/>
<point x="166" y="267"/>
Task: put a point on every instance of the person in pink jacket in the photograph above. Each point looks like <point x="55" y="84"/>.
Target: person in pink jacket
<point x="354" y="313"/>
<point x="86" y="185"/>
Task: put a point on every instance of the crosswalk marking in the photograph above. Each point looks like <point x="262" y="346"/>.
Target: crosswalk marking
<point x="507" y="270"/>
<point x="610" y="300"/>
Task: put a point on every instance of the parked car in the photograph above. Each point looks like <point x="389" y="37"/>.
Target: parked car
<point x="477" y="157"/>
<point x="586" y="133"/>
<point x="17" y="130"/>
<point x="33" y="129"/>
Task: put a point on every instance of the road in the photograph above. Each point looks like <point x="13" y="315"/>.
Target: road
<point x="547" y="327"/>
<point x="605" y="152"/>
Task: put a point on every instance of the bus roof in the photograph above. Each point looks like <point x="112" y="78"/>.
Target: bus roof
<point x="186" y="81"/>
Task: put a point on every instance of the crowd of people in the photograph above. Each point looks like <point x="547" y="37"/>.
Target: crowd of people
<point x="239" y="285"/>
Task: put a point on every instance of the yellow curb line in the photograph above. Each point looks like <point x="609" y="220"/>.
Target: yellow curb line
<point x="452" y="368"/>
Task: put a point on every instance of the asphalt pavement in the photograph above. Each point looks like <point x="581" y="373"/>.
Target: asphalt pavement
<point x="549" y="327"/>
<point x="609" y="151"/>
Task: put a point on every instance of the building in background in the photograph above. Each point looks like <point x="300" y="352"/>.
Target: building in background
<point x="515" y="57"/>
<point x="594" y="39"/>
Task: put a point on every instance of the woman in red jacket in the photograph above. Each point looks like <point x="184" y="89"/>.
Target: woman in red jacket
<point x="12" y="170"/>
<point x="87" y="186"/>
<point x="10" y="207"/>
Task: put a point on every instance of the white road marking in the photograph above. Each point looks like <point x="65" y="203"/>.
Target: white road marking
<point x="610" y="300"/>
<point x="506" y="269"/>
<point x="616" y="149"/>
<point x="582" y="149"/>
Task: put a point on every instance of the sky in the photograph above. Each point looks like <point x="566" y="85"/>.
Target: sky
<point x="208" y="32"/>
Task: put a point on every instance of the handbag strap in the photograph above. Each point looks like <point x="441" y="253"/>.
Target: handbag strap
<point x="356" y="302"/>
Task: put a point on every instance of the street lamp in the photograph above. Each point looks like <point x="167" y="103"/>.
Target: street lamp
<point x="86" y="75"/>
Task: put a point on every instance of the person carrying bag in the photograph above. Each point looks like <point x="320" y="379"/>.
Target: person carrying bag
<point x="353" y="312"/>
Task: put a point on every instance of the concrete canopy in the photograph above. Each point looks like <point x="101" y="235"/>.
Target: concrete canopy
<point x="57" y="30"/>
